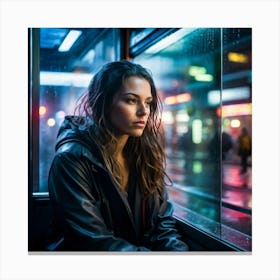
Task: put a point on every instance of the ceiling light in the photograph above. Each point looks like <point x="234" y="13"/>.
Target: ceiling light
<point x="69" y="40"/>
<point x="171" y="39"/>
<point x="65" y="79"/>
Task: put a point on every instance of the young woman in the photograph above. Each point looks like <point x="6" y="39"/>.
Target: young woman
<point x="107" y="179"/>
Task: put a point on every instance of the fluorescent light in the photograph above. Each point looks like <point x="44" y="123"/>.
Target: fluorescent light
<point x="65" y="79"/>
<point x="69" y="40"/>
<point x="171" y="39"/>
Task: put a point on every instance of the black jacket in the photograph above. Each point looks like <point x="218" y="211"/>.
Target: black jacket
<point x="90" y="214"/>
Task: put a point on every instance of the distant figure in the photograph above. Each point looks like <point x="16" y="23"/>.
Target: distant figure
<point x="218" y="147"/>
<point x="244" y="148"/>
<point x="214" y="145"/>
<point x="226" y="144"/>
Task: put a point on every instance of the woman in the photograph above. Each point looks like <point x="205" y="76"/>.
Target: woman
<point x="107" y="179"/>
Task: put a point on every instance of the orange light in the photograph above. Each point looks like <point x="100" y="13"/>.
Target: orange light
<point x="170" y="100"/>
<point x="175" y="99"/>
<point x="42" y="110"/>
<point x="237" y="57"/>
<point x="235" y="110"/>
<point x="184" y="97"/>
<point x="218" y="111"/>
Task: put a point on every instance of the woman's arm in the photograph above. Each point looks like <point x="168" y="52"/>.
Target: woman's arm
<point x="163" y="235"/>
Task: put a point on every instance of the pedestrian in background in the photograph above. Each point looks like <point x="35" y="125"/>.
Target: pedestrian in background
<point x="244" y="148"/>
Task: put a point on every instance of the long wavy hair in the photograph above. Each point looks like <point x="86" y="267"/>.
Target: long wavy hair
<point x="146" y="152"/>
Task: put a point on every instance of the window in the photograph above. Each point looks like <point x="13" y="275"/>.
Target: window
<point x="62" y="75"/>
<point x="204" y="78"/>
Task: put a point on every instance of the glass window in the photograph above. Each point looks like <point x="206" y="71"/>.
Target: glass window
<point x="65" y="72"/>
<point x="203" y="76"/>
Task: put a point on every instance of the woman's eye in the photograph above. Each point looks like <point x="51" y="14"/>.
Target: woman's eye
<point x="130" y="101"/>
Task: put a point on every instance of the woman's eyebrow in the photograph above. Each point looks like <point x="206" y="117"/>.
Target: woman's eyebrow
<point x="135" y="95"/>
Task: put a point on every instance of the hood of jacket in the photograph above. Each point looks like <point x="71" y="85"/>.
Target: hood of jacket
<point x="73" y="135"/>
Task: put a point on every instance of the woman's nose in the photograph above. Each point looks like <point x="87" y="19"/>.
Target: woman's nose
<point x="142" y="110"/>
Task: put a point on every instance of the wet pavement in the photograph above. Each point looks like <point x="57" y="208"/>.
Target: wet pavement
<point x="237" y="198"/>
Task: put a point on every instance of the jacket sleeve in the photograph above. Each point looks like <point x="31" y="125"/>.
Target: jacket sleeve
<point x="77" y="208"/>
<point x="163" y="235"/>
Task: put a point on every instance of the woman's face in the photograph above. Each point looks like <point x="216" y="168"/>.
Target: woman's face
<point x="131" y="107"/>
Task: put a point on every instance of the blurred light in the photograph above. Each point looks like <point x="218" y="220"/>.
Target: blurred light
<point x="181" y="128"/>
<point x="196" y="70"/>
<point x="182" y="116"/>
<point x="184" y="97"/>
<point x="196" y="131"/>
<point x="42" y="110"/>
<point x="170" y="100"/>
<point x="69" y="40"/>
<point x="235" y="110"/>
<point x="167" y="117"/>
<point x="168" y="40"/>
<point x="65" y="79"/>
<point x="51" y="122"/>
<point x="60" y="115"/>
<point x="237" y="57"/>
<point x="197" y="167"/>
<point x="226" y="122"/>
<point x="235" y="123"/>
<point x="175" y="99"/>
<point x="204" y="78"/>
<point x="200" y="74"/>
<point x="214" y="96"/>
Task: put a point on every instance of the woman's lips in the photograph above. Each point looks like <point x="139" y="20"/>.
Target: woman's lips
<point x="139" y="124"/>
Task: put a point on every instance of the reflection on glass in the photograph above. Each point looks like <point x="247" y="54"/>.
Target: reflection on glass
<point x="192" y="73"/>
<point x="185" y="71"/>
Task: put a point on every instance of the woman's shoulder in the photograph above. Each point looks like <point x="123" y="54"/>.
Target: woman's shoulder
<point x="80" y="151"/>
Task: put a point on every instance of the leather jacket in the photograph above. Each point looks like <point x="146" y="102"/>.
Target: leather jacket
<point x="90" y="213"/>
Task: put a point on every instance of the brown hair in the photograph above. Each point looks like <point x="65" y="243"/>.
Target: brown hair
<point x="146" y="151"/>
